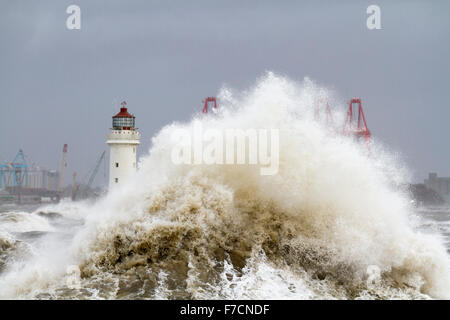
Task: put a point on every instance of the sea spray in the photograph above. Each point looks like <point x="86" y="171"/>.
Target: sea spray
<point x="333" y="223"/>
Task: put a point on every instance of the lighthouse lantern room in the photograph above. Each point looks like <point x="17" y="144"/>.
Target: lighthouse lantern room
<point x="123" y="139"/>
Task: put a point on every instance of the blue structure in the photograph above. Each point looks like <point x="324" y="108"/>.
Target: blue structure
<point x="4" y="175"/>
<point x="14" y="174"/>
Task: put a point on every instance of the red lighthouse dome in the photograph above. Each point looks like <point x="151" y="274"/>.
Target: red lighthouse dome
<point x="123" y="120"/>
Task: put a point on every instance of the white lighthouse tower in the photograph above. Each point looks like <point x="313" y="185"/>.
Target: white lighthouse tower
<point x="123" y="140"/>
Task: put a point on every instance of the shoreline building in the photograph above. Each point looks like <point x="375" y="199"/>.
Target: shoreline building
<point x="439" y="184"/>
<point x="123" y="139"/>
<point x="42" y="178"/>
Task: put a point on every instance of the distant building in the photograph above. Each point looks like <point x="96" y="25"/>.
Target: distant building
<point x="41" y="178"/>
<point x="439" y="184"/>
<point x="51" y="181"/>
<point x="36" y="178"/>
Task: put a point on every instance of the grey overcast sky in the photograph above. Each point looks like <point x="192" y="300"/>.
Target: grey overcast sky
<point x="62" y="86"/>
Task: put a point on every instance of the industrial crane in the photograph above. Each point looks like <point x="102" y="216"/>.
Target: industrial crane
<point x="360" y="129"/>
<point x="207" y="101"/>
<point x="320" y="104"/>
<point x="357" y="130"/>
<point x="4" y="175"/>
<point x="90" y="181"/>
<point x="19" y="170"/>
<point x="63" y="167"/>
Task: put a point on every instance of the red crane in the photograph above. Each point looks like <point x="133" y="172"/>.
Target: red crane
<point x="319" y="106"/>
<point x="207" y="101"/>
<point x="360" y="129"/>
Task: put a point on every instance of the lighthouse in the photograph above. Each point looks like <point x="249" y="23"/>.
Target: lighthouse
<point x="123" y="139"/>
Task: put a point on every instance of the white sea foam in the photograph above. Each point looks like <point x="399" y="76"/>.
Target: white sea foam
<point x="332" y="224"/>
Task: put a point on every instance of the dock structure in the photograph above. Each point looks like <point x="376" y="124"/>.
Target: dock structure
<point x="21" y="184"/>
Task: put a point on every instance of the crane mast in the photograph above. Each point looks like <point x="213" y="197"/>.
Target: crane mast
<point x="94" y="173"/>
<point x="63" y="167"/>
